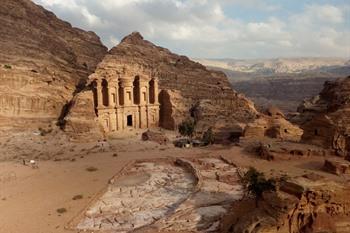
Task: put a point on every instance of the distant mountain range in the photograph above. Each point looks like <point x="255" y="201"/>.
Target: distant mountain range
<point x="283" y="82"/>
<point x="280" y="65"/>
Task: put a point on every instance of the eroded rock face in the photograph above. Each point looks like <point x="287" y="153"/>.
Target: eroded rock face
<point x="301" y="205"/>
<point x="325" y="119"/>
<point x="42" y="60"/>
<point x="196" y="85"/>
<point x="81" y="120"/>
<point x="273" y="125"/>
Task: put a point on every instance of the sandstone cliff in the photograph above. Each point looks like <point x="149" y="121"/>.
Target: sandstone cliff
<point x="186" y="84"/>
<point x="326" y="118"/>
<point x="305" y="204"/>
<point x="42" y="61"/>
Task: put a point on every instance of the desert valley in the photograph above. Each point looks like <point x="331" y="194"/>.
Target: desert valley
<point x="139" y="139"/>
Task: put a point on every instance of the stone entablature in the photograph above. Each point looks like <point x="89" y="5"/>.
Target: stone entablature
<point x="125" y="101"/>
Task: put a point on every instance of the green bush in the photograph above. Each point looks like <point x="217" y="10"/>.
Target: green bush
<point x="257" y="184"/>
<point x="187" y="128"/>
<point x="7" y="67"/>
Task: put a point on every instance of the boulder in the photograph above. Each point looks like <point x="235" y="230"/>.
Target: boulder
<point x="337" y="167"/>
<point x="158" y="137"/>
<point x="274" y="126"/>
<point x="274" y="112"/>
<point x="264" y="152"/>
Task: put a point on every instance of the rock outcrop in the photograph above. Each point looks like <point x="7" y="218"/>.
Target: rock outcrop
<point x="325" y="119"/>
<point x="337" y="167"/>
<point x="301" y="205"/>
<point x="155" y="136"/>
<point x="43" y="59"/>
<point x="82" y="122"/>
<point x="273" y="125"/>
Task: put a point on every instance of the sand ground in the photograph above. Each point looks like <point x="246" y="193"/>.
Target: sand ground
<point x="29" y="198"/>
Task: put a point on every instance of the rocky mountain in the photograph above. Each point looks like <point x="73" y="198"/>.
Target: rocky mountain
<point x="325" y="118"/>
<point x="42" y="61"/>
<point x="187" y="86"/>
<point x="281" y="82"/>
<point x="283" y="91"/>
<point x="278" y="65"/>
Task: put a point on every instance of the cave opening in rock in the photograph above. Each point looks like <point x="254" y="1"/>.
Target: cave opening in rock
<point x="316" y="132"/>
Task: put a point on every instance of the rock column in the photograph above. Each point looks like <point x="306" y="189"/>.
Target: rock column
<point x="99" y="93"/>
<point x="156" y="90"/>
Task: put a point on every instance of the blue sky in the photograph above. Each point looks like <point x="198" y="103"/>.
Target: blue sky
<point x="219" y="28"/>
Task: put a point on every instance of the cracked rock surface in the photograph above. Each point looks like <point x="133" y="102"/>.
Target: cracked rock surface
<point x="182" y="195"/>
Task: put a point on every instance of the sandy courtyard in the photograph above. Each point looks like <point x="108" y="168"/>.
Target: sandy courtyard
<point x="30" y="198"/>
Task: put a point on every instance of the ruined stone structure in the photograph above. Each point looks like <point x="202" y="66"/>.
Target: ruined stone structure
<point x="125" y="102"/>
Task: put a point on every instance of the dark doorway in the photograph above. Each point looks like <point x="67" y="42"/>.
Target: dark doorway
<point x="137" y="90"/>
<point x="105" y="92"/>
<point x="129" y="120"/>
<point x="151" y="92"/>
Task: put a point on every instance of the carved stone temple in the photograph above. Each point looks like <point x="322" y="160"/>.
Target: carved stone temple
<point x="124" y="101"/>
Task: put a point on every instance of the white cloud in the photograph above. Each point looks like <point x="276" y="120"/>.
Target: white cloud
<point x="203" y="28"/>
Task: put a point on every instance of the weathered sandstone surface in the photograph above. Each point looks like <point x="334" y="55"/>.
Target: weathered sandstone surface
<point x="273" y="125"/>
<point x="325" y="119"/>
<point x="303" y="204"/>
<point x="42" y="60"/>
<point x="82" y="122"/>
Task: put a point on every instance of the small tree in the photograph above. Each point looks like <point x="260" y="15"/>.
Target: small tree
<point x="195" y="112"/>
<point x="256" y="184"/>
<point x="208" y="137"/>
<point x="187" y="128"/>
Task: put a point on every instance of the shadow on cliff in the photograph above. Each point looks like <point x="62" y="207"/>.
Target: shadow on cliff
<point x="81" y="86"/>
